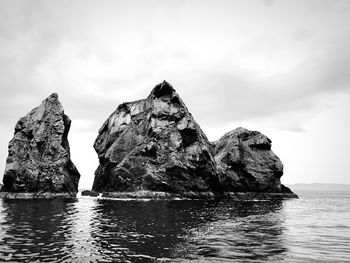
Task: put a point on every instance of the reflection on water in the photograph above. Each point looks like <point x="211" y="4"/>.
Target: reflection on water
<point x="97" y="230"/>
<point x="186" y="229"/>
<point x="247" y="231"/>
<point x="35" y="230"/>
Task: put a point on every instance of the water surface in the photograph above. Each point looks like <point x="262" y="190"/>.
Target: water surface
<point x="314" y="228"/>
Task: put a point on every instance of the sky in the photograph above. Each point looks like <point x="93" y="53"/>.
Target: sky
<point x="280" y="67"/>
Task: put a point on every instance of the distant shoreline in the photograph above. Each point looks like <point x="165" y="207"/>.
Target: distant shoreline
<point x="319" y="187"/>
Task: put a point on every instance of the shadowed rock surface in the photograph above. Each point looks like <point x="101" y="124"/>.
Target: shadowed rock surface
<point x="246" y="163"/>
<point x="153" y="148"/>
<point x="38" y="161"/>
<point x="154" y="144"/>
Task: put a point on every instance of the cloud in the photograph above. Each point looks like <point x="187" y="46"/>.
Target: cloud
<point x="269" y="3"/>
<point x="225" y="66"/>
<point x="219" y="94"/>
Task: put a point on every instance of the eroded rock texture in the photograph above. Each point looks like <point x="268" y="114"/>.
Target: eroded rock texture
<point x="38" y="156"/>
<point x="246" y="163"/>
<point x="154" y="144"/>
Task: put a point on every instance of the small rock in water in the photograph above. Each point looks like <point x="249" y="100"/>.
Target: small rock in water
<point x="89" y="193"/>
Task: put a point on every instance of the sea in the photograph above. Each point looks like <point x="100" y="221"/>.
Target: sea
<point x="314" y="228"/>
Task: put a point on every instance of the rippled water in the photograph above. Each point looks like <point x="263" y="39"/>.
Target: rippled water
<point x="315" y="228"/>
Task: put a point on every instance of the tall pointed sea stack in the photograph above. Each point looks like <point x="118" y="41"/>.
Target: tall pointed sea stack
<point x="38" y="162"/>
<point x="155" y="145"/>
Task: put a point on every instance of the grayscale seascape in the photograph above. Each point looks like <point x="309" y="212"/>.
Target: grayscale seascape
<point x="314" y="228"/>
<point x="174" y="131"/>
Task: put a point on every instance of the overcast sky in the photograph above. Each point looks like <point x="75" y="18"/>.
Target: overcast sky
<point x="280" y="67"/>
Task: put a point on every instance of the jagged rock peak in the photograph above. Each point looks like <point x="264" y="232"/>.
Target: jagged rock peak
<point x="154" y="144"/>
<point x="163" y="89"/>
<point x="39" y="156"/>
<point x="53" y="96"/>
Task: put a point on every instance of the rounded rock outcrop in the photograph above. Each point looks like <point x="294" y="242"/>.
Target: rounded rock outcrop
<point x="246" y="163"/>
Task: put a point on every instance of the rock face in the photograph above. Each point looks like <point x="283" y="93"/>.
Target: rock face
<point x="154" y="144"/>
<point x="153" y="148"/>
<point x="246" y="163"/>
<point x="38" y="159"/>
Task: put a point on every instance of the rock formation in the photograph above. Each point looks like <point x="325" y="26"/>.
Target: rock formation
<point x="154" y="144"/>
<point x="38" y="162"/>
<point x="246" y="163"/>
<point x="154" y="148"/>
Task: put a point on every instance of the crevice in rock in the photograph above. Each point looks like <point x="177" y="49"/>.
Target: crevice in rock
<point x="261" y="146"/>
<point x="30" y="135"/>
<point x="64" y="141"/>
<point x="175" y="100"/>
<point x="41" y="147"/>
<point x="189" y="136"/>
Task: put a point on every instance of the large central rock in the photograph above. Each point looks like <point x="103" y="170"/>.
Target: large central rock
<point x="154" y="144"/>
<point x="38" y="162"/>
